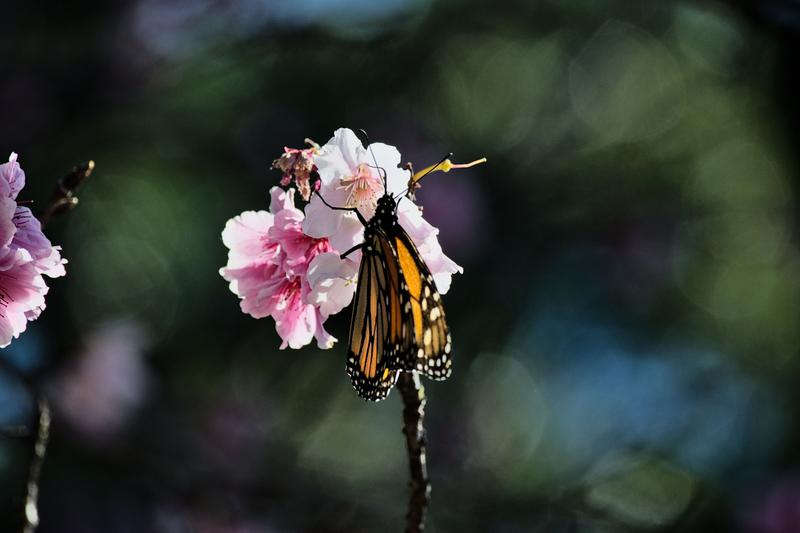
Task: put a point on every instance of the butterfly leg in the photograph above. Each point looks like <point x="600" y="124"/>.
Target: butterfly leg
<point x="353" y="209"/>
<point x="351" y="250"/>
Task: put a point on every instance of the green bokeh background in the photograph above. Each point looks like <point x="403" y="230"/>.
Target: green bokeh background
<point x="625" y="331"/>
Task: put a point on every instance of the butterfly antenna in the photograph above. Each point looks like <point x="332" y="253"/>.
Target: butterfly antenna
<point x="375" y="160"/>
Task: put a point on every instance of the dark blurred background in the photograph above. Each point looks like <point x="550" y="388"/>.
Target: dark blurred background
<point x="625" y="332"/>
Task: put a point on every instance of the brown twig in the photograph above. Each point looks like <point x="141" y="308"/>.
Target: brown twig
<point x="62" y="200"/>
<point x="413" y="394"/>
<point x="35" y="471"/>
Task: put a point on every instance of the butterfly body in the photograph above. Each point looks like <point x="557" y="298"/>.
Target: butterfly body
<point x="398" y="321"/>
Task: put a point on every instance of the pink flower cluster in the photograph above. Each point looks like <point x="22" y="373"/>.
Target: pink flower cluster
<point x="285" y="263"/>
<point x="26" y="255"/>
<point x="268" y="267"/>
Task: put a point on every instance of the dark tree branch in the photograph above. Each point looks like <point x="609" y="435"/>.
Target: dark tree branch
<point x="41" y="435"/>
<point x="62" y="200"/>
<point x="35" y="471"/>
<point x="413" y="394"/>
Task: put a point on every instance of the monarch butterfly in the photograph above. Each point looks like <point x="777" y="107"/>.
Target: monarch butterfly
<point x="398" y="321"/>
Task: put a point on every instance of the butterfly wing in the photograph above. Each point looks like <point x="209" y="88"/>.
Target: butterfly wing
<point x="376" y="329"/>
<point x="398" y="319"/>
<point x="427" y="346"/>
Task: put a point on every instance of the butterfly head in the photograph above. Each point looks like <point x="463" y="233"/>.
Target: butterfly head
<point x="386" y="206"/>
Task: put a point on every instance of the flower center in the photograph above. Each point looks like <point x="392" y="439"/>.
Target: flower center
<point x="321" y="246"/>
<point x="363" y="187"/>
<point x="289" y="292"/>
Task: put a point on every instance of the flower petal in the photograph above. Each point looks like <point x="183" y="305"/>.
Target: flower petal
<point x="442" y="267"/>
<point x="320" y="221"/>
<point x="29" y="237"/>
<point x="295" y="321"/>
<point x="332" y="283"/>
<point x="280" y="199"/>
<point x="12" y="178"/>
<point x="8" y="208"/>
<point x="325" y="340"/>
<point x="388" y="158"/>
<point x="245" y="237"/>
<point x="410" y="217"/>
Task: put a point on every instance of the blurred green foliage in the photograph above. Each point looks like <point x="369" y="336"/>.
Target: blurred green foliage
<point x="625" y="330"/>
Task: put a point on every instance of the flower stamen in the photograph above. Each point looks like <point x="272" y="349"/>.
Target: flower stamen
<point x="444" y="166"/>
<point x="363" y="188"/>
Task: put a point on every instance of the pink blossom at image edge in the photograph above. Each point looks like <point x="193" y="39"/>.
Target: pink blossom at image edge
<point x="26" y="255"/>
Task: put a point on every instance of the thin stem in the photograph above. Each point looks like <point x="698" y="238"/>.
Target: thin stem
<point x="35" y="471"/>
<point x="63" y="197"/>
<point x="413" y="394"/>
<point x="41" y="435"/>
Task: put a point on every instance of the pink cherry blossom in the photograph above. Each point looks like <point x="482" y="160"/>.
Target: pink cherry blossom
<point x="267" y="268"/>
<point x="26" y="255"/>
<point x="348" y="178"/>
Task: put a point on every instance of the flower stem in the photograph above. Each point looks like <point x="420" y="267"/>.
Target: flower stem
<point x="413" y="394"/>
<point x="63" y="197"/>
<point x="35" y="471"/>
